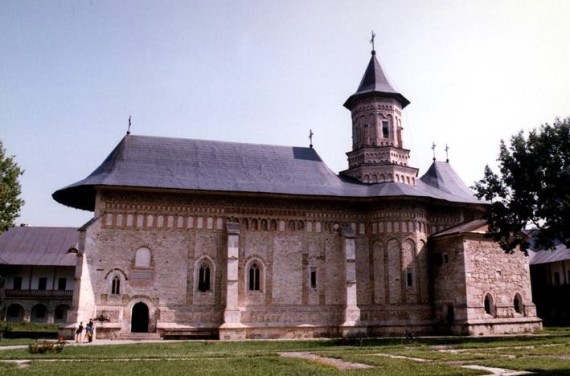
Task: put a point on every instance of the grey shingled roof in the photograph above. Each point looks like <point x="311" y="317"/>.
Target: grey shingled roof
<point x="199" y="165"/>
<point x="374" y="82"/>
<point x="442" y="179"/>
<point x="38" y="246"/>
<point x="545" y="256"/>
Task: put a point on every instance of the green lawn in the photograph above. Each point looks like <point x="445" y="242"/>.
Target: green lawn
<point x="547" y="353"/>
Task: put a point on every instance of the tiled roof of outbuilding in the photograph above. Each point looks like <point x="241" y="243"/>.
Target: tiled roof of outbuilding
<point x="38" y="246"/>
<point x="199" y="165"/>
<point x="545" y="256"/>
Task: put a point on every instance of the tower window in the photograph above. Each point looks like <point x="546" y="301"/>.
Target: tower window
<point x="385" y="129"/>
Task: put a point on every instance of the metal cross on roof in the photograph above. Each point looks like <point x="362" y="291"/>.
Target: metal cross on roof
<point x="433" y="145"/>
<point x="129" y="129"/>
<point x="446" y="153"/>
<point x="311" y="138"/>
<point x="372" y="41"/>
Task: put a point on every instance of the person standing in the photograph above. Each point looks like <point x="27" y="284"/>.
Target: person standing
<point x="79" y="333"/>
<point x="89" y="331"/>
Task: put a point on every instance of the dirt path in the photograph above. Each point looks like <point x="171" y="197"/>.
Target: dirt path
<point x="339" y="364"/>
<point x="343" y="365"/>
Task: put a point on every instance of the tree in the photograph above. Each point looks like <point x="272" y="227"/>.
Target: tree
<point x="533" y="189"/>
<point x="10" y="190"/>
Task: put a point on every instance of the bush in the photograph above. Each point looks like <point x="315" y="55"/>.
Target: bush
<point x="46" y="347"/>
<point x="4" y="328"/>
<point x="33" y="327"/>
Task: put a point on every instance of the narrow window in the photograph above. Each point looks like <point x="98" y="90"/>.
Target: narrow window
<point x="204" y="278"/>
<point x="17" y="283"/>
<point x="254" y="277"/>
<point x="291" y="226"/>
<point x="556" y="278"/>
<point x="409" y="277"/>
<point x="61" y="283"/>
<point x="517" y="303"/>
<point x="116" y="286"/>
<point x="488" y="304"/>
<point x="42" y="283"/>
<point x="385" y="129"/>
<point x="450" y="314"/>
<point x="314" y="278"/>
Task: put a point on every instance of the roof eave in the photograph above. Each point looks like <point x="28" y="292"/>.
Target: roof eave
<point x="373" y="93"/>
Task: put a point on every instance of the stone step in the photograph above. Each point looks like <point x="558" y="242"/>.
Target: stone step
<point x="141" y="336"/>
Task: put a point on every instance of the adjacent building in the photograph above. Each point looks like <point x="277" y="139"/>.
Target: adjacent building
<point x="37" y="271"/>
<point x="550" y="272"/>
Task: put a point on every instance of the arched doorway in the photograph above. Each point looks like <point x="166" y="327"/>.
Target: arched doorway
<point x="15" y="313"/>
<point x="139" y="318"/>
<point x="39" y="313"/>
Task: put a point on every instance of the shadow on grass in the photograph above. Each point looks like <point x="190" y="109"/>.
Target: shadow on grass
<point x="552" y="372"/>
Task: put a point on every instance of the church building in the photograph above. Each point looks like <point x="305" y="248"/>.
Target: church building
<point x="237" y="241"/>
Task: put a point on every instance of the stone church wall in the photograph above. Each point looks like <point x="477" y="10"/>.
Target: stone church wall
<point x="155" y="244"/>
<point x="180" y="235"/>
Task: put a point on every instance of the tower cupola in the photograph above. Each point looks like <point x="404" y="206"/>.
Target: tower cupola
<point x="378" y="154"/>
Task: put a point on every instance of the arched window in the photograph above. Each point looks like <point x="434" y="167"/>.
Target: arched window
<point x="60" y="313"/>
<point x="204" y="278"/>
<point x="291" y="225"/>
<point x="254" y="277"/>
<point x="39" y="313"/>
<point x="142" y="258"/>
<point x="489" y="306"/>
<point x="385" y="130"/>
<point x="518" y="304"/>
<point x="116" y="285"/>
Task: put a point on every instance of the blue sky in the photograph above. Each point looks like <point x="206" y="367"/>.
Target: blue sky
<point x="72" y="72"/>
